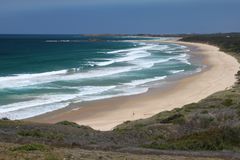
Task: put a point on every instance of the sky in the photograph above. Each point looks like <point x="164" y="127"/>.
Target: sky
<point x="118" y="16"/>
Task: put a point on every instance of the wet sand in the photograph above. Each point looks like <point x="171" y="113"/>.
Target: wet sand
<point x="108" y="113"/>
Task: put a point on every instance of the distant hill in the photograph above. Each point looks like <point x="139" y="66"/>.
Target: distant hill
<point x="228" y="42"/>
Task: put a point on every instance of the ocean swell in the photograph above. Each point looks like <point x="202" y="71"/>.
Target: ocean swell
<point x="125" y="72"/>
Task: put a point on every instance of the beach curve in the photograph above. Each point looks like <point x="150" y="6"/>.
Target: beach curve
<point x="106" y="114"/>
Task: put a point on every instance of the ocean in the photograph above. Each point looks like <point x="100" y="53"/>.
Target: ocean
<point x="43" y="73"/>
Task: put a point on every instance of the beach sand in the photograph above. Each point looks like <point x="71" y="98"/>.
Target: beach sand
<point x="106" y="114"/>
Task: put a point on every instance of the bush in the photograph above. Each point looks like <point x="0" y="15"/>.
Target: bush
<point x="213" y="139"/>
<point x="73" y="124"/>
<point x="31" y="147"/>
<point x="175" y="119"/>
<point x="139" y="125"/>
<point x="40" y="134"/>
<point x="206" y="121"/>
<point x="127" y="122"/>
<point x="212" y="106"/>
<point x="204" y="112"/>
<point x="227" y="102"/>
<point x="51" y="156"/>
<point x="67" y="123"/>
<point x="120" y="130"/>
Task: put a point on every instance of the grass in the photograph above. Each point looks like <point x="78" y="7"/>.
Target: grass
<point x="205" y="111"/>
<point x="37" y="133"/>
<point x="211" y="124"/>
<point x="67" y="123"/>
<point x="38" y="152"/>
<point x="214" y="120"/>
<point x="227" y="102"/>
<point x="31" y="147"/>
<point x="213" y="139"/>
<point x="73" y="124"/>
<point x="33" y="151"/>
<point x="175" y="119"/>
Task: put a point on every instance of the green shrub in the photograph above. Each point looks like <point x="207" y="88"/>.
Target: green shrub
<point x="190" y="106"/>
<point x="73" y="124"/>
<point x="127" y="122"/>
<point x="204" y="112"/>
<point x="213" y="139"/>
<point x="119" y="130"/>
<point x="139" y="125"/>
<point x="206" y="121"/>
<point x="212" y="106"/>
<point x="238" y="113"/>
<point x="31" y="147"/>
<point x="67" y="123"/>
<point x="40" y="134"/>
<point x="227" y="102"/>
<point x="51" y="156"/>
<point x="175" y="119"/>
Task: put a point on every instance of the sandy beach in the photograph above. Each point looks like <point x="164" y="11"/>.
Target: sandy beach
<point x="106" y="114"/>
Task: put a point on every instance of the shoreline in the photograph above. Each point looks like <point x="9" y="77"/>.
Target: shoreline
<point x="107" y="113"/>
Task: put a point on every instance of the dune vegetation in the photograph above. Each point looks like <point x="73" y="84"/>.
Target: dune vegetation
<point x="208" y="129"/>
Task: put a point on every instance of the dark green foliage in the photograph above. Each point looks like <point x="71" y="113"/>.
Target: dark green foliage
<point x="119" y="130"/>
<point x="204" y="112"/>
<point x="67" y="123"/>
<point x="175" y="119"/>
<point x="211" y="124"/>
<point x="206" y="121"/>
<point x="238" y="77"/>
<point x="189" y="107"/>
<point x="229" y="42"/>
<point x="126" y="122"/>
<point x="51" y="156"/>
<point x="212" y="106"/>
<point x="213" y="139"/>
<point x="31" y="147"/>
<point x="138" y="126"/>
<point x="40" y="134"/>
<point x="238" y="110"/>
<point x="73" y="124"/>
<point x="227" y="102"/>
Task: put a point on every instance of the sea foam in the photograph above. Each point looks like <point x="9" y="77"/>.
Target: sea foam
<point x="137" y="60"/>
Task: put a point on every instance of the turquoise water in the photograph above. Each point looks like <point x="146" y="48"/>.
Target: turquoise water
<point x="40" y="74"/>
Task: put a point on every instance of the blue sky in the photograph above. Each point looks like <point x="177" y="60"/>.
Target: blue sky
<point x="118" y="16"/>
